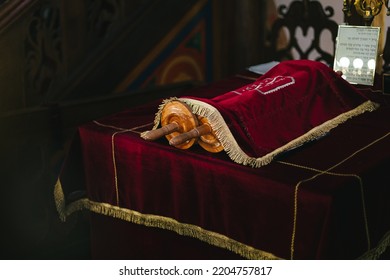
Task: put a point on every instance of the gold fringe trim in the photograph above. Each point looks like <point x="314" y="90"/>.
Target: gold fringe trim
<point x="59" y="200"/>
<point x="376" y="252"/>
<point x="161" y="222"/>
<point x="211" y="238"/>
<point x="235" y="152"/>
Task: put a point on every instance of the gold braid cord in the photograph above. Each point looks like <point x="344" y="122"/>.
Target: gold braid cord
<point x="385" y="242"/>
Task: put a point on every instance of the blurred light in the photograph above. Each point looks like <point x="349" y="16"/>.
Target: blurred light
<point x="371" y="64"/>
<point x="344" y="62"/>
<point x="358" y="63"/>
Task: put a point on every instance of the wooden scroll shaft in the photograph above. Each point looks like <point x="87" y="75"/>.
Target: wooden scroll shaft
<point x="194" y="133"/>
<point x="152" y="135"/>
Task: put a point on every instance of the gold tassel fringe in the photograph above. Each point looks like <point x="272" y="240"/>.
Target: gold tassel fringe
<point x="234" y="151"/>
<point x="161" y="222"/>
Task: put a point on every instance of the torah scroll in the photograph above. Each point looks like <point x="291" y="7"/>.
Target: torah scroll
<point x="292" y="104"/>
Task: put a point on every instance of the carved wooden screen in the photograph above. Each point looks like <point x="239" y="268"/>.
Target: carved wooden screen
<point x="304" y="19"/>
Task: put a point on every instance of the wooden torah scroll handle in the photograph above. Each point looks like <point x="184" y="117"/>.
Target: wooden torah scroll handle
<point x="190" y="135"/>
<point x="181" y="127"/>
<point x="176" y="118"/>
<point x="203" y="133"/>
<point x="179" y="119"/>
<point x="209" y="141"/>
<point x="155" y="134"/>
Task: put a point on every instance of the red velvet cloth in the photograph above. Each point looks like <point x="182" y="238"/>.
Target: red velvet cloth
<point x="285" y="103"/>
<point x="254" y="206"/>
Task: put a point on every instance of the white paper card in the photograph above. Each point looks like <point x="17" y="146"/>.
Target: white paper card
<point x="262" y="68"/>
<point x="356" y="53"/>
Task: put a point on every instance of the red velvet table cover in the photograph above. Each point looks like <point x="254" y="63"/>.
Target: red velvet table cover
<point x="329" y="199"/>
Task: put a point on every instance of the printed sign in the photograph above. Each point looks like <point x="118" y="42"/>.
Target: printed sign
<point x="356" y="53"/>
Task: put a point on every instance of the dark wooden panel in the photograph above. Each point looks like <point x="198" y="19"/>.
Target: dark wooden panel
<point x="239" y="27"/>
<point x="13" y="10"/>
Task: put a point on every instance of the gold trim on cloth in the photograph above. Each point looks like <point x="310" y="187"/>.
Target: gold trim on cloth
<point x="230" y="145"/>
<point x="189" y="230"/>
<point x="120" y="130"/>
<point x="151" y="220"/>
<point x="210" y="237"/>
<point x="376" y="252"/>
<point x="328" y="172"/>
<point x="157" y="221"/>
